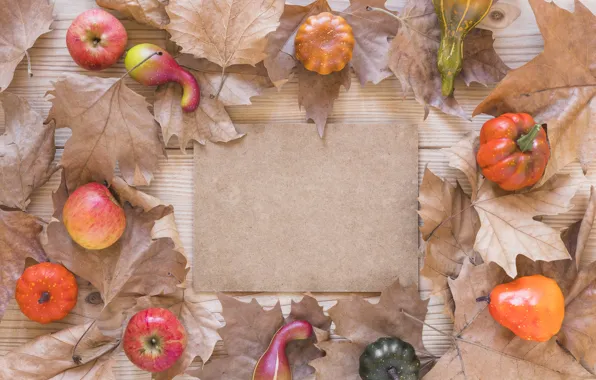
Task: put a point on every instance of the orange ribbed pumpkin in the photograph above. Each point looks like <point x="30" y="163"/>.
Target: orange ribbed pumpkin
<point x="324" y="43"/>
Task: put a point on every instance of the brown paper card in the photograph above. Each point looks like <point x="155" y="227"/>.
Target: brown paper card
<point x="283" y="210"/>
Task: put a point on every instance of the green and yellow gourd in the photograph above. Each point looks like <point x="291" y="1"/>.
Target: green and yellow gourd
<point x="457" y="18"/>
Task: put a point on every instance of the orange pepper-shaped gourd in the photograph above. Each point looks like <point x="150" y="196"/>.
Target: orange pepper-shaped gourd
<point x="324" y="43"/>
<point x="513" y="151"/>
<point x="533" y="307"/>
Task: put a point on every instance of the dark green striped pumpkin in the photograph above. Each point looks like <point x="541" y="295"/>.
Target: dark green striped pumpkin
<point x="389" y="359"/>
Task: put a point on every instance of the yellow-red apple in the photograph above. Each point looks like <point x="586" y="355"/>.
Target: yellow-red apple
<point x="154" y="339"/>
<point x="93" y="217"/>
<point x="96" y="39"/>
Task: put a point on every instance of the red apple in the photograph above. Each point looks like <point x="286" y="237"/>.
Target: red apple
<point x="93" y="217"/>
<point x="96" y="39"/>
<point x="154" y="339"/>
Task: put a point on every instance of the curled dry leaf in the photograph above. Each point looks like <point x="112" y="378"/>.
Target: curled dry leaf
<point x="138" y="264"/>
<point x="110" y="124"/>
<point x="26" y="152"/>
<point x="19" y="239"/>
<point x="462" y="156"/>
<point x="21" y="24"/>
<point x="224" y="32"/>
<point x="450" y="225"/>
<point x="413" y="57"/>
<point x="398" y="314"/>
<point x="211" y="120"/>
<point x="558" y="87"/>
<point x="201" y="327"/>
<point x="248" y="331"/>
<point x="150" y="12"/>
<point x="51" y="357"/>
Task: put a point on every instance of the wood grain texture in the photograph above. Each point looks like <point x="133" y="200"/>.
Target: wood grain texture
<point x="173" y="182"/>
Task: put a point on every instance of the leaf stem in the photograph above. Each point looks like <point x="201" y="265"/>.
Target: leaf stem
<point x="375" y="9"/>
<point x="29" y="69"/>
<point x="426" y="324"/>
<point x="221" y="84"/>
<point x="140" y="63"/>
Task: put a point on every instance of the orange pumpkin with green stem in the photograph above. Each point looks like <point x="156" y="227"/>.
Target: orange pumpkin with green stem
<point x="513" y="151"/>
<point x="46" y="292"/>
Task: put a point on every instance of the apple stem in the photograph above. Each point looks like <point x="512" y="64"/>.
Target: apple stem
<point x="29" y="69"/>
<point x="45" y="297"/>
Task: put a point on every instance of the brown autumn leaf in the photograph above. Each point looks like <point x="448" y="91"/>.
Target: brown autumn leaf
<point x="19" y="239"/>
<point x="110" y="124"/>
<point x="26" y="152"/>
<point x="558" y="87"/>
<point x="462" y="156"/>
<point x="483" y="349"/>
<point x="138" y="264"/>
<point x="450" y="225"/>
<point x="413" y="58"/>
<point x="508" y="227"/>
<point x="200" y="324"/>
<point x="317" y="93"/>
<point x="21" y="24"/>
<point x="211" y="120"/>
<point x="150" y="12"/>
<point x="398" y="314"/>
<point x="51" y="357"/>
<point x="224" y="32"/>
<point x="248" y="331"/>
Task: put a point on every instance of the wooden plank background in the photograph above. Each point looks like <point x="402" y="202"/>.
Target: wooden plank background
<point x="173" y="184"/>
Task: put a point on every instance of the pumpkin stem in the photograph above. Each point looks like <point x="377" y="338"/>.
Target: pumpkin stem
<point x="392" y="372"/>
<point x="526" y="142"/>
<point x="45" y="297"/>
<point x="483" y="299"/>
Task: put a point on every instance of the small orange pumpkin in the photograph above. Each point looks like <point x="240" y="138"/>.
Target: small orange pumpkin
<point x="46" y="292"/>
<point x="324" y="43"/>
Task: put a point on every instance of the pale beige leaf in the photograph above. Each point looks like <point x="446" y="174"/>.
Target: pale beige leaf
<point x="201" y="327"/>
<point x="508" y="228"/>
<point x="226" y="32"/>
<point x="450" y="225"/>
<point x="110" y="124"/>
<point x="100" y="369"/>
<point x="26" y="152"/>
<point x="462" y="156"/>
<point x="576" y="236"/>
<point x="558" y="86"/>
<point x="340" y="362"/>
<point x="150" y="12"/>
<point x="317" y="93"/>
<point x="21" y="24"/>
<point x="19" y="239"/>
<point x="48" y="356"/>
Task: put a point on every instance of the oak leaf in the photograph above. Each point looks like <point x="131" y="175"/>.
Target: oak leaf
<point x="398" y="314"/>
<point x="558" y="87"/>
<point x="450" y="225"/>
<point x="413" y="57"/>
<point x="21" y="24"/>
<point x="51" y="357"/>
<point x="248" y="331"/>
<point x="211" y="120"/>
<point x="224" y="32"/>
<point x="150" y="12"/>
<point x="110" y="124"/>
<point x="26" y="152"/>
<point x="19" y="239"/>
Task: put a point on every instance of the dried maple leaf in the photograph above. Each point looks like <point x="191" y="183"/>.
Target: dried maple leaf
<point x="211" y="120"/>
<point x="199" y="323"/>
<point x="398" y="314"/>
<point x="19" y="239"/>
<point x="450" y="225"/>
<point x="50" y="357"/>
<point x="558" y="87"/>
<point x="110" y="124"/>
<point x="248" y="331"/>
<point x="413" y="57"/>
<point x="462" y="156"/>
<point x="150" y="12"/>
<point x="26" y="153"/>
<point x="138" y="264"/>
<point x="224" y="32"/>
<point x="21" y="24"/>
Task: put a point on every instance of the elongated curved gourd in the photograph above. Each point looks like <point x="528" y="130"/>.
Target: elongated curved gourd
<point x="274" y="364"/>
<point x="457" y="18"/>
<point x="161" y="68"/>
